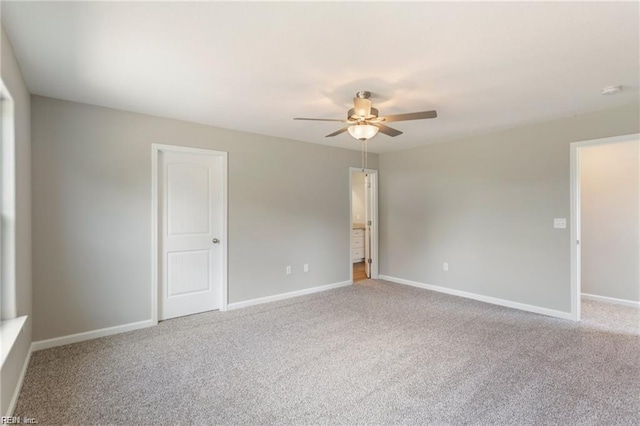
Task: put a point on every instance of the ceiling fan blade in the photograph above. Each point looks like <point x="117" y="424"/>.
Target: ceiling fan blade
<point x="320" y="119"/>
<point x="409" y="116"/>
<point x="337" y="132"/>
<point x="388" y="130"/>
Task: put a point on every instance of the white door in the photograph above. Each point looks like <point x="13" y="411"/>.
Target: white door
<point x="191" y="255"/>
<point x="368" y="220"/>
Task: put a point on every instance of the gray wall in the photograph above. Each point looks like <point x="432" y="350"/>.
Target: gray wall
<point x="610" y="220"/>
<point x="12" y="78"/>
<point x="288" y="205"/>
<point x="486" y="205"/>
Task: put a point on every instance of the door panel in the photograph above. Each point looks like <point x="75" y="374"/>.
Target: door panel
<point x="191" y="208"/>
<point x="188" y="204"/>
<point x="188" y="272"/>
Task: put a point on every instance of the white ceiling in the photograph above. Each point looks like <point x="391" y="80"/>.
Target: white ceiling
<point x="254" y="66"/>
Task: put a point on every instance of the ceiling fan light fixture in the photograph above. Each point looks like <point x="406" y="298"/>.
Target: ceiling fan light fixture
<point x="363" y="132"/>
<point x="363" y="121"/>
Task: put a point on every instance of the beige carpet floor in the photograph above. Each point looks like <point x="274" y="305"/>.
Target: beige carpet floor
<point x="373" y="353"/>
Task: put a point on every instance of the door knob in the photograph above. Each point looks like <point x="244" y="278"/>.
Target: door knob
<point x="216" y="241"/>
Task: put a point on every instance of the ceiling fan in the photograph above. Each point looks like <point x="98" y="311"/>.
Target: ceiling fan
<point x="364" y="122"/>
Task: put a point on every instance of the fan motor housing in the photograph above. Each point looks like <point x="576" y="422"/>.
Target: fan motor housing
<point x="352" y="116"/>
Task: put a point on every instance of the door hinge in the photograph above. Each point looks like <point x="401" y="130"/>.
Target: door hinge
<point x="369" y="260"/>
<point x="369" y="223"/>
<point x="577" y="241"/>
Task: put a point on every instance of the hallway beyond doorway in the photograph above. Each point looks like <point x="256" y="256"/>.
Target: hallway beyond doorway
<point x="359" y="272"/>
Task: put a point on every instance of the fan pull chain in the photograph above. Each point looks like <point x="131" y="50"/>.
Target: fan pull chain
<point x="365" y="155"/>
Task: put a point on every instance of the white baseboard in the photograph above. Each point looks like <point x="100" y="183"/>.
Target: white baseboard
<point x="481" y="298"/>
<point x="613" y="300"/>
<point x="23" y="373"/>
<point x="289" y="295"/>
<point x="89" y="335"/>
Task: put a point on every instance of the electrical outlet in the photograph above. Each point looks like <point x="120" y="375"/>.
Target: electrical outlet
<point x="445" y="266"/>
<point x="560" y="223"/>
<point x="288" y="271"/>
<point x="306" y="267"/>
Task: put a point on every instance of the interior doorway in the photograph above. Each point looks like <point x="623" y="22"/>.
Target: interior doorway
<point x="189" y="239"/>
<point x="605" y="222"/>
<point x="363" y="224"/>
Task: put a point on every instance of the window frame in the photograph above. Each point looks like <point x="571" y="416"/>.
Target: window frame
<point x="8" y="308"/>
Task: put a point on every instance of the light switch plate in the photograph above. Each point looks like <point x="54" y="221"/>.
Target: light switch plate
<point x="559" y="223"/>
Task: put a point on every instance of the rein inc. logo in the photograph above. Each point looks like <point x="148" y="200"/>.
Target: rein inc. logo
<point x="18" y="420"/>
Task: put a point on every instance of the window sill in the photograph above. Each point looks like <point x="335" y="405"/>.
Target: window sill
<point x="9" y="332"/>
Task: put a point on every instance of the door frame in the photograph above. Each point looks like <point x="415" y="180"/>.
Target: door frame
<point x="575" y="194"/>
<point x="374" y="228"/>
<point x="156" y="149"/>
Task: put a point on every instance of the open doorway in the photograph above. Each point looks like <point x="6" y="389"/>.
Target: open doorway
<point x="363" y="229"/>
<point x="605" y="255"/>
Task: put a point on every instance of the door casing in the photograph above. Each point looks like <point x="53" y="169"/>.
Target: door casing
<point x="575" y="242"/>
<point x="374" y="220"/>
